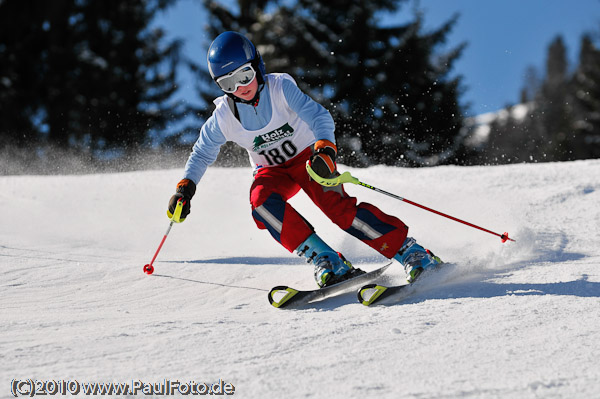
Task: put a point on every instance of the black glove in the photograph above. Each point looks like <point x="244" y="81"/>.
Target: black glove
<point x="185" y="190"/>
<point x="322" y="161"/>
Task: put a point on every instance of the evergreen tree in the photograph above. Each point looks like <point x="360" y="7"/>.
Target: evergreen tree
<point x="515" y="140"/>
<point x="531" y="85"/>
<point x="88" y="74"/>
<point x="587" y="100"/>
<point x="21" y="26"/>
<point x="563" y="117"/>
<point x="554" y="105"/>
<point x="546" y="133"/>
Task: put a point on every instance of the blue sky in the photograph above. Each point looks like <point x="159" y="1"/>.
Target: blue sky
<point x="503" y="38"/>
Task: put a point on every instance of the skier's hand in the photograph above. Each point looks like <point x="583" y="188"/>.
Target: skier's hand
<point x="185" y="191"/>
<point x="322" y="161"/>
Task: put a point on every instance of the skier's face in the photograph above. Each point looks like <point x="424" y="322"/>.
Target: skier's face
<point x="247" y="93"/>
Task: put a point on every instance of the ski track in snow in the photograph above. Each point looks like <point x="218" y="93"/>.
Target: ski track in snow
<point x="513" y="320"/>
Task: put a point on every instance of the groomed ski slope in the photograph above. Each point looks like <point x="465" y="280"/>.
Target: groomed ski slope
<point x="518" y="320"/>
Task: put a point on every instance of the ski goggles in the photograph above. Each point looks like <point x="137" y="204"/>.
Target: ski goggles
<point x="242" y="76"/>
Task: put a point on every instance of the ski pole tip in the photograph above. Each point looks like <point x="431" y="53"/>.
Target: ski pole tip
<point x="504" y="237"/>
<point x="148" y="269"/>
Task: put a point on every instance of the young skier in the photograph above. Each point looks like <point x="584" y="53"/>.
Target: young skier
<point x="282" y="128"/>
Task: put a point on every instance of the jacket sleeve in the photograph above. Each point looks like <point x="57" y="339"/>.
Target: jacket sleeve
<point x="205" y="150"/>
<point x="310" y="111"/>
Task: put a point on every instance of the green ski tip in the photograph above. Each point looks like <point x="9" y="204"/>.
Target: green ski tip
<point x="369" y="293"/>
<point x="278" y="296"/>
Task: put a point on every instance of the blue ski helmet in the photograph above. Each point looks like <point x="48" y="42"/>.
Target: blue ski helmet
<point x="231" y="50"/>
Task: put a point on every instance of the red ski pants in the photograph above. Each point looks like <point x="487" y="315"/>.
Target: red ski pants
<point x="273" y="186"/>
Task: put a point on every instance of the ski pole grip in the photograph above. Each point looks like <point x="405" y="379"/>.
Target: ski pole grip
<point x="177" y="214"/>
<point x="345" y="177"/>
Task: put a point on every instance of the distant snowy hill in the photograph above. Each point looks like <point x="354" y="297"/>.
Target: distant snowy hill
<point x="516" y="320"/>
<point x="480" y="125"/>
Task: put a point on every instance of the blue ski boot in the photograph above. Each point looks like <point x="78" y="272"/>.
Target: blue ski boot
<point x="330" y="267"/>
<point x="415" y="259"/>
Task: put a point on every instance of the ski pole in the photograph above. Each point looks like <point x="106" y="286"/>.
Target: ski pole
<point x="149" y="269"/>
<point x="346" y="177"/>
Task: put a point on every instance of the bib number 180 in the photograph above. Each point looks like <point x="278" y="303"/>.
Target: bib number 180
<point x="279" y="155"/>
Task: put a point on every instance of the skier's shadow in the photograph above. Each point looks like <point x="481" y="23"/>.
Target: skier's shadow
<point x="474" y="288"/>
<point x="581" y="287"/>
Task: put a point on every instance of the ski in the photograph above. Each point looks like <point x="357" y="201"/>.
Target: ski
<point x="370" y="294"/>
<point x="373" y="293"/>
<point x="283" y="296"/>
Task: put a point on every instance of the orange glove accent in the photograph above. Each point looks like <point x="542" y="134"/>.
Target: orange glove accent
<point x="185" y="190"/>
<point x="323" y="159"/>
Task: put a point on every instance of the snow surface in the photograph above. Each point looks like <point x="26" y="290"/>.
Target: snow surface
<point x="516" y="320"/>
